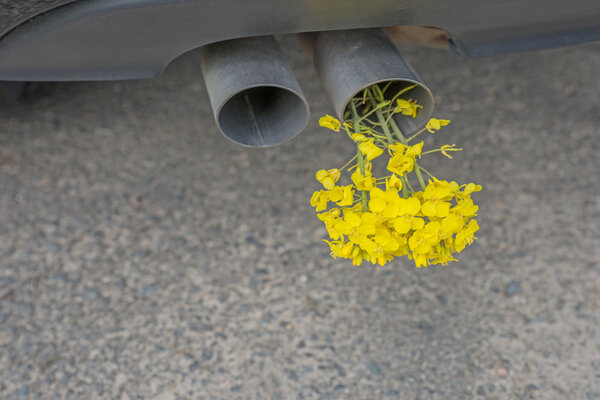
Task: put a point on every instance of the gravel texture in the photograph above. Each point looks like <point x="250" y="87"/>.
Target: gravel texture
<point x="144" y="256"/>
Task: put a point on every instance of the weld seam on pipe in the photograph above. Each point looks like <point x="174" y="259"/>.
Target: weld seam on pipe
<point x="255" y="97"/>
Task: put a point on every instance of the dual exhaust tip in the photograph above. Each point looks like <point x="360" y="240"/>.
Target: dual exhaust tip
<point x="257" y="101"/>
<point x="254" y="95"/>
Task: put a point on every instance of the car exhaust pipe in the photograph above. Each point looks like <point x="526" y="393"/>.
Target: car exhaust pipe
<point x="255" y="97"/>
<point x="349" y="61"/>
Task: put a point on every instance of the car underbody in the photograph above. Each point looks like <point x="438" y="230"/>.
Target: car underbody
<point x="54" y="40"/>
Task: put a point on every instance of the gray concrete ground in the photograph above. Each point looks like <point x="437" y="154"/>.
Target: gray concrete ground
<point x="143" y="256"/>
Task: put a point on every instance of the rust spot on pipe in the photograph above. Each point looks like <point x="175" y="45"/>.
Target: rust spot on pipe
<point x="419" y="35"/>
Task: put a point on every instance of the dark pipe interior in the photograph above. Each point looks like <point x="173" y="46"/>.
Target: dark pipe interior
<point x="406" y="124"/>
<point x="262" y="116"/>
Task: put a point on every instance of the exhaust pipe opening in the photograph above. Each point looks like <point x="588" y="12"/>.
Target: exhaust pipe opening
<point x="347" y="62"/>
<point x="263" y="116"/>
<point x="254" y="95"/>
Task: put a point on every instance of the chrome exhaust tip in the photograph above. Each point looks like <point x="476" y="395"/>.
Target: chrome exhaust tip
<point x="350" y="61"/>
<point x="255" y="97"/>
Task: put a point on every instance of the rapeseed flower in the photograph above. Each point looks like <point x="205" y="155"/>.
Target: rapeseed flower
<point x="376" y="219"/>
<point x="330" y="122"/>
<point x="407" y="107"/>
<point x="435" y="124"/>
<point x="369" y="149"/>
<point x="328" y="178"/>
<point x="363" y="182"/>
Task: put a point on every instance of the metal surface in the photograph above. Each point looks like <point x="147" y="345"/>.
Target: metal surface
<point x="123" y="39"/>
<point x="254" y="95"/>
<point x="347" y="62"/>
<point x="15" y="12"/>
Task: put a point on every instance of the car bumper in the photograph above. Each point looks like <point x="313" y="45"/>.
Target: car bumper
<point x="116" y="39"/>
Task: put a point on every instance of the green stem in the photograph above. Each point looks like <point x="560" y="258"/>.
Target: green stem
<point x="403" y="140"/>
<point x="419" y="176"/>
<point x="348" y="163"/>
<point x="387" y="85"/>
<point x="416" y="134"/>
<point x="404" y="189"/>
<point x="372" y="122"/>
<point x="397" y="132"/>
<point x="431" y="151"/>
<point x="377" y="93"/>
<point x="369" y="113"/>
<point x="361" y="160"/>
<point x="436" y="150"/>
<point x="347" y="131"/>
<point x="427" y="172"/>
<point x="382" y="121"/>
<point x="408" y="184"/>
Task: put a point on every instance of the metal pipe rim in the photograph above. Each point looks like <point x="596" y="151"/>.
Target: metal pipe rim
<point x="298" y="96"/>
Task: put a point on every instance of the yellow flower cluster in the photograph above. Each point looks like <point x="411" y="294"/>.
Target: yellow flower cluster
<point x="378" y="219"/>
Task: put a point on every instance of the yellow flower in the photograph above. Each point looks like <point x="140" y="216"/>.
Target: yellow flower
<point x="397" y="149"/>
<point x="429" y="226"/>
<point x="446" y="147"/>
<point x="465" y="208"/>
<point x="399" y="164"/>
<point x="330" y="227"/>
<point x="407" y="223"/>
<point x="420" y="260"/>
<point x="470" y="188"/>
<point x="407" y="220"/>
<point x="342" y="195"/>
<point x="414" y="150"/>
<point x="409" y="206"/>
<point x="386" y="204"/>
<point x="328" y="177"/>
<point x="319" y="200"/>
<point x="453" y="186"/>
<point x="340" y="249"/>
<point x="402" y="241"/>
<point x="393" y="183"/>
<point x="385" y="240"/>
<point x="363" y="182"/>
<point x="407" y="107"/>
<point x="329" y="216"/>
<point x="359" y="137"/>
<point x="436" y="196"/>
<point x="377" y="203"/>
<point x="357" y="255"/>
<point x="435" y="124"/>
<point x="330" y="122"/>
<point x="347" y="250"/>
<point x="369" y="149"/>
<point x="336" y="247"/>
<point x="356" y="226"/>
<point x="424" y="239"/>
<point x="436" y="208"/>
<point x="450" y="225"/>
<point x="381" y="245"/>
<point x="466" y="236"/>
<point x="441" y="255"/>
<point x="403" y="159"/>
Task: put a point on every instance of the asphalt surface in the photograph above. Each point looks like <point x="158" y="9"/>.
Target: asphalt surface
<point x="144" y="256"/>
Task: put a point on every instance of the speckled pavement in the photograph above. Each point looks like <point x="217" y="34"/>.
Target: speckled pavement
<point x="144" y="256"/>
